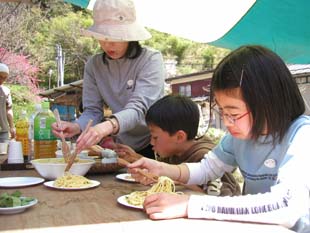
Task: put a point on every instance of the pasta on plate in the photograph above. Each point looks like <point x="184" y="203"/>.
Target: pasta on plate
<point x="72" y="181"/>
<point x="164" y="185"/>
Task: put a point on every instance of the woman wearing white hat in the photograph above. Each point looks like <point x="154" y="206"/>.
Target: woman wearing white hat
<point x="127" y="77"/>
<point x="6" y="111"/>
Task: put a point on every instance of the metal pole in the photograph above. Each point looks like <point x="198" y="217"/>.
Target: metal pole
<point x="61" y="66"/>
<point x="57" y="62"/>
<point x="50" y="72"/>
<point x="60" y="59"/>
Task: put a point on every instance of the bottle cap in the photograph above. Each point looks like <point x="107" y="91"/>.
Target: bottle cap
<point x="38" y="107"/>
<point x="45" y="105"/>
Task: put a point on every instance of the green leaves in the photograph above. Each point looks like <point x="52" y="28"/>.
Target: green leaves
<point x="215" y="135"/>
<point x="14" y="199"/>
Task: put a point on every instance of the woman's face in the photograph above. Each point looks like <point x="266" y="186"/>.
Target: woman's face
<point x="114" y="50"/>
<point x="234" y="112"/>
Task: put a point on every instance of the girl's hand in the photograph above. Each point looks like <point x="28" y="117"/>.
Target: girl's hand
<point x="148" y="166"/>
<point x="166" y="206"/>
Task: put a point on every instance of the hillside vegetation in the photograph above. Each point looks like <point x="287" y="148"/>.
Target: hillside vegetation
<point x="30" y="34"/>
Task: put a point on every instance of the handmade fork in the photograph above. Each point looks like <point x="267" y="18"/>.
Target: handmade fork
<point x="64" y="145"/>
<point x="74" y="154"/>
<point x="154" y="178"/>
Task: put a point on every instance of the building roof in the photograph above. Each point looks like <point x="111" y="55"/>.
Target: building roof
<point x="65" y="89"/>
<point x="296" y="70"/>
<point x="206" y="74"/>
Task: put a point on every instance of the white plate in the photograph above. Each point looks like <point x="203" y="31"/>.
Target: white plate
<point x="125" y="177"/>
<point x="11" y="182"/>
<point x="17" y="209"/>
<point x="123" y="201"/>
<point x="94" y="183"/>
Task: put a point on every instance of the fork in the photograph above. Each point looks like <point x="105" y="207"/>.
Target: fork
<point x="74" y="154"/>
<point x="124" y="163"/>
<point x="154" y="178"/>
<point x="64" y="145"/>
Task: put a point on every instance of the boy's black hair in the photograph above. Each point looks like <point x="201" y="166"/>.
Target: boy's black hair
<point x="174" y="112"/>
<point x="133" y="51"/>
<point x="267" y="86"/>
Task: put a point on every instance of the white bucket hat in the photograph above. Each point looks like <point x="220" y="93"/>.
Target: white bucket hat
<point x="115" y="20"/>
<point x="4" y="68"/>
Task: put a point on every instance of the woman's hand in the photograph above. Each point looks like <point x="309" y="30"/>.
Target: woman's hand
<point x="69" y="129"/>
<point x="93" y="135"/>
<point x="166" y="206"/>
<point x="90" y="138"/>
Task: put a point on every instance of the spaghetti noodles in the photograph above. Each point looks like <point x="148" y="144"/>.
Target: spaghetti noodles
<point x="60" y="160"/>
<point x="72" y="181"/>
<point x="164" y="185"/>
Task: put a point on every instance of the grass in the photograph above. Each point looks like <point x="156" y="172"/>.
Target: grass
<point x="23" y="99"/>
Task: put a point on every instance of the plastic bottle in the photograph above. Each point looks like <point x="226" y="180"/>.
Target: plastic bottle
<point x="22" y="127"/>
<point x="45" y="143"/>
<point x="31" y="131"/>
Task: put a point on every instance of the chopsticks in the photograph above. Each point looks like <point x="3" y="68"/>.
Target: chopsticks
<point x="74" y="154"/>
<point x="124" y="163"/>
<point x="64" y="145"/>
<point x="154" y="178"/>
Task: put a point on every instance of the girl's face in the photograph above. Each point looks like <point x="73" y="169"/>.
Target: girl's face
<point x="114" y="50"/>
<point x="163" y="144"/>
<point x="234" y="112"/>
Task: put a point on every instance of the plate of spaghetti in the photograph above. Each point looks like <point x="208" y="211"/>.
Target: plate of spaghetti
<point x="72" y="182"/>
<point x="123" y="200"/>
<point x="126" y="177"/>
<point x="136" y="198"/>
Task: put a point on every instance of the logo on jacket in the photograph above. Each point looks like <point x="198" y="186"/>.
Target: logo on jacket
<point x="271" y="163"/>
<point x="129" y="84"/>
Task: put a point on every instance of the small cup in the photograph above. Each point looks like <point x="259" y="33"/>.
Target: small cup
<point x="59" y="154"/>
<point x="73" y="145"/>
<point x="3" y="148"/>
<point x="15" y="152"/>
<point x="83" y="154"/>
<point x="59" y="144"/>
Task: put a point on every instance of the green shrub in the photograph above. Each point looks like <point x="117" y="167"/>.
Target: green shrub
<point x="23" y="99"/>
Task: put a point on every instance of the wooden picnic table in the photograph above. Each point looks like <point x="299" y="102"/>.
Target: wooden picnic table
<point x="97" y="210"/>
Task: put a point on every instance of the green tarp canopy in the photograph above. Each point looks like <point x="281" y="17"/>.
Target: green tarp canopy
<point x="281" y="25"/>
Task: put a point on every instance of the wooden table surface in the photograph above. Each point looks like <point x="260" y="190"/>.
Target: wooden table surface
<point x="97" y="210"/>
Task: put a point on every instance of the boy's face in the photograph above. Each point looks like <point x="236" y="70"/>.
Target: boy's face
<point x="164" y="144"/>
<point x="3" y="77"/>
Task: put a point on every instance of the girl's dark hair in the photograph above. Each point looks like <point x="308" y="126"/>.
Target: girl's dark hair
<point x="174" y="112"/>
<point x="133" y="51"/>
<point x="267" y="86"/>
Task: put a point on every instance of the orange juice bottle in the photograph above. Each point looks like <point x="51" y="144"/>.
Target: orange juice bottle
<point x="22" y="127"/>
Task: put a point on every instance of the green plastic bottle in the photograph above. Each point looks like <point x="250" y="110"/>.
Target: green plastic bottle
<point x="45" y="143"/>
